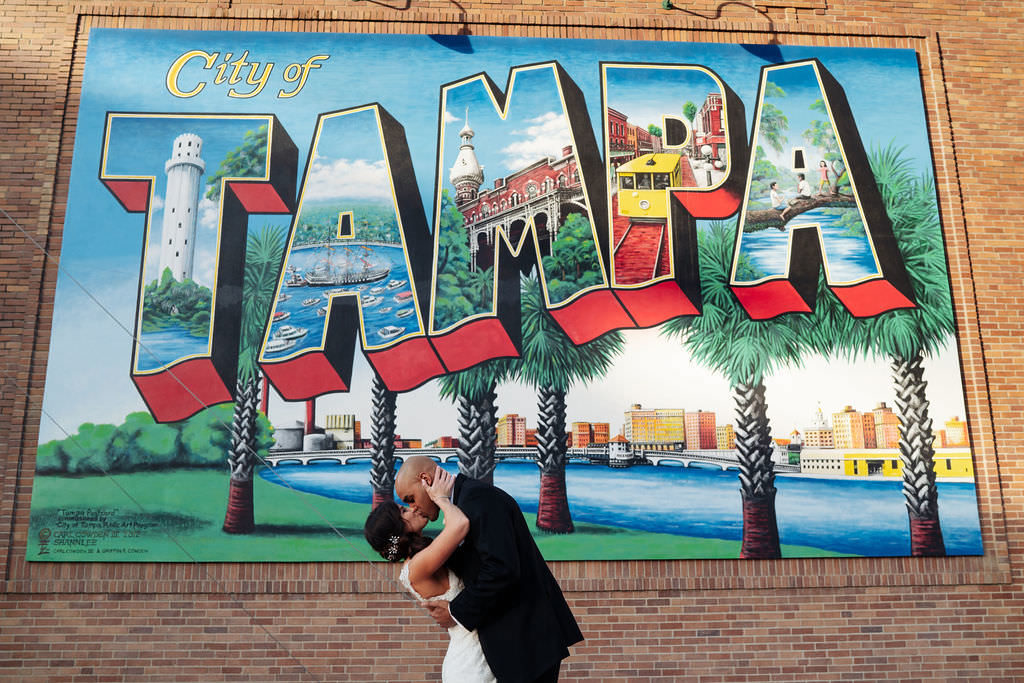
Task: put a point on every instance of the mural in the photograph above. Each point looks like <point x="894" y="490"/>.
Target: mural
<point x="696" y="307"/>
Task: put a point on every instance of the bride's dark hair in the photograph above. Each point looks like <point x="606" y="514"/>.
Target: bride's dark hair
<point x="385" y="532"/>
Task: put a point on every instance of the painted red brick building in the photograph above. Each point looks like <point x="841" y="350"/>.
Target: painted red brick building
<point x="708" y="128"/>
<point x="545" y="192"/>
<point x="619" y="148"/>
<point x="700" y="428"/>
<point x="511" y="430"/>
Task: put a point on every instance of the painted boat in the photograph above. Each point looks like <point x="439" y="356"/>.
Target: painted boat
<point x="279" y="345"/>
<point x="290" y="332"/>
<point x="390" y="332"/>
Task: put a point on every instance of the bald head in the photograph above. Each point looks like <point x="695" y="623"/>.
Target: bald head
<point x="414" y="466"/>
<point x="408" y="486"/>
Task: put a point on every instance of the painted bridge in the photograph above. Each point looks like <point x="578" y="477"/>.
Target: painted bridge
<point x="726" y="460"/>
<point x="723" y="459"/>
<point x="437" y="454"/>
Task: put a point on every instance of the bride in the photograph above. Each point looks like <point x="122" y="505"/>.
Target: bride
<point x="396" y="533"/>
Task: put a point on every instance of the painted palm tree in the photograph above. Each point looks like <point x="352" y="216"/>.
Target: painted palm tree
<point x="906" y="337"/>
<point x="382" y="442"/>
<point x="475" y="392"/>
<point x="263" y="256"/>
<point x="552" y="363"/>
<point x="745" y="351"/>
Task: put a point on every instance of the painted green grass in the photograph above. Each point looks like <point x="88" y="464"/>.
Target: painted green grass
<point x="176" y="516"/>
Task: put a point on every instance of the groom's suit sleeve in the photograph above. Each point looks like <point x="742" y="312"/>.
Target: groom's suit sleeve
<point x="492" y="533"/>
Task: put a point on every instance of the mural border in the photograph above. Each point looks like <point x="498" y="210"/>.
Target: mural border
<point x="24" y="367"/>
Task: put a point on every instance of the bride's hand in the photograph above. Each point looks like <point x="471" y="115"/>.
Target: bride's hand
<point x="441" y="487"/>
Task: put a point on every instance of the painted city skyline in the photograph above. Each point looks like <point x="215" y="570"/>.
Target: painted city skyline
<point x="954" y="433"/>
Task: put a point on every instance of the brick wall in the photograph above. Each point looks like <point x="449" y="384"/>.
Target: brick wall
<point x="788" y="620"/>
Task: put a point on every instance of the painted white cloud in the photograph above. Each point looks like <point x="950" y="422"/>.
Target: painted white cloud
<point x="545" y="136"/>
<point x="450" y="118"/>
<point x="203" y="264"/>
<point x="90" y="355"/>
<point x="158" y="203"/>
<point x="208" y="212"/>
<point x="153" y="257"/>
<point x="347" y="178"/>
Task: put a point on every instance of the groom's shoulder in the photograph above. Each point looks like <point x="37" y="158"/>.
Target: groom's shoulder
<point x="474" y="489"/>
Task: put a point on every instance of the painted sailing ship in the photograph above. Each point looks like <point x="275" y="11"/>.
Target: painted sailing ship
<point x="352" y="269"/>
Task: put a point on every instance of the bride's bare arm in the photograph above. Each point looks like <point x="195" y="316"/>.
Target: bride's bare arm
<point x="456" y="525"/>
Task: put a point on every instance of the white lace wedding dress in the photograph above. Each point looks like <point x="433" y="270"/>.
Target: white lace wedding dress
<point x="464" y="661"/>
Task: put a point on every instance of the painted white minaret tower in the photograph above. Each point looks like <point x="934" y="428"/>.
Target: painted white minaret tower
<point x="467" y="175"/>
<point x="181" y="206"/>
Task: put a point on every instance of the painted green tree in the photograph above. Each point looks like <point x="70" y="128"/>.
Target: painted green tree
<point x="689" y="111"/>
<point x="823" y="136"/>
<point x="247" y="160"/>
<point x="765" y="173"/>
<point x="573" y="263"/>
<point x="773" y="124"/>
<point x="552" y="363"/>
<point x="140" y="443"/>
<point x="475" y="392"/>
<point x="264" y="256"/>
<point x="382" y="441"/>
<point x="167" y="302"/>
<point x="263" y="260"/>
<point x="745" y="351"/>
<point x="906" y="337"/>
<point x="459" y="291"/>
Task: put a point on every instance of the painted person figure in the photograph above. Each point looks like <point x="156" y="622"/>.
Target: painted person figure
<point x="396" y="533"/>
<point x="803" y="193"/>
<point x="803" y="188"/>
<point x="778" y="201"/>
<point x="510" y="598"/>
<point x="823" y="183"/>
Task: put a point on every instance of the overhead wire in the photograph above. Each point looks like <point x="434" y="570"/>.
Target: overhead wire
<point x="249" y="450"/>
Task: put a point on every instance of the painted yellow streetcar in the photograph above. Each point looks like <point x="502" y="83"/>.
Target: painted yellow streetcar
<point x="642" y="185"/>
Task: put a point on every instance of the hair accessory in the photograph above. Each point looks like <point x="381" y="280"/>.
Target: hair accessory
<point x="393" y="548"/>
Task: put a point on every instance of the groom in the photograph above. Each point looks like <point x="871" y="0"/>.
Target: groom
<point x="511" y="599"/>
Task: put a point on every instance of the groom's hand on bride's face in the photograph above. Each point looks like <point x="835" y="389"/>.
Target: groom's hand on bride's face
<point x="438" y="610"/>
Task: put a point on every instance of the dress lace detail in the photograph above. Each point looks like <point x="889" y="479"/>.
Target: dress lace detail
<point x="464" y="661"/>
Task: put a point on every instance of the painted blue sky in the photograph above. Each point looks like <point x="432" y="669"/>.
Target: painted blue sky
<point x="140" y="146"/>
<point x="126" y="71"/>
<point x="801" y="90"/>
<point x="348" y="160"/>
<point x="644" y="95"/>
<point x="534" y="126"/>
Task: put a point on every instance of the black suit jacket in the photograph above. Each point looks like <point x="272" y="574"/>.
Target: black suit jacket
<point x="511" y="599"/>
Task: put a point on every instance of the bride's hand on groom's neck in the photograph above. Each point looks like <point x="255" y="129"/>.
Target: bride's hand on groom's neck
<point x="440" y="487"/>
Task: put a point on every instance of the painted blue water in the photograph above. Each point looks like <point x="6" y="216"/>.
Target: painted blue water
<point x="375" y="317"/>
<point x="848" y="257"/>
<point x="170" y="344"/>
<point x="165" y="346"/>
<point x="860" y="517"/>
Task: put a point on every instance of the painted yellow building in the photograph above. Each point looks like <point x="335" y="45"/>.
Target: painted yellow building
<point x="949" y="462"/>
<point x="726" y="437"/>
<point x="661" y="425"/>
